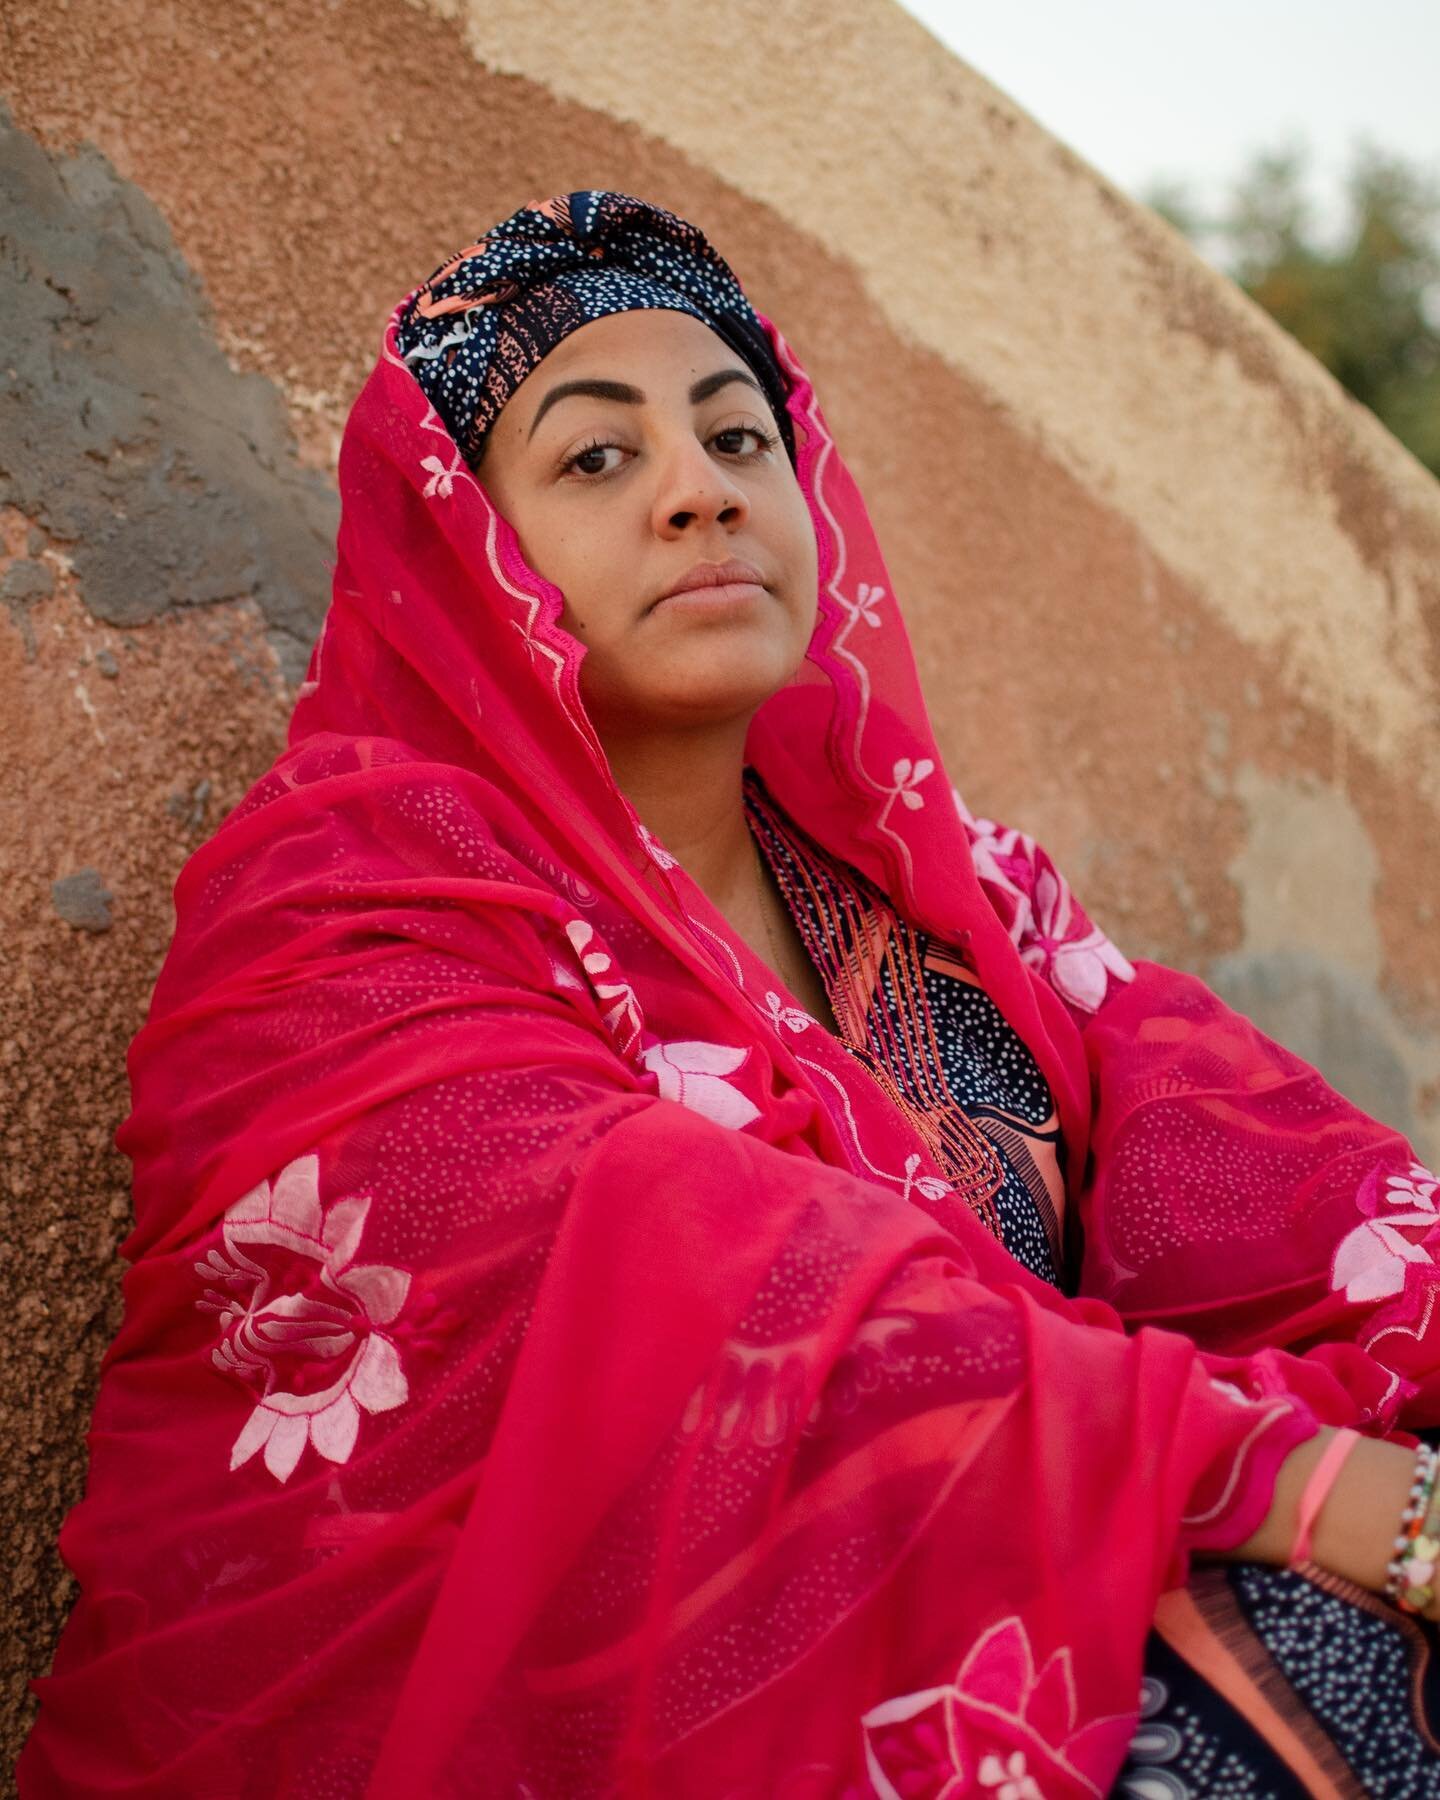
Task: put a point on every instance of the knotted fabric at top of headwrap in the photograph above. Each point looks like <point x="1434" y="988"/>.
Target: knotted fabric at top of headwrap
<point x="490" y="314"/>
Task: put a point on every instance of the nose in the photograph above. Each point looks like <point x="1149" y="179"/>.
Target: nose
<point x="695" y="487"/>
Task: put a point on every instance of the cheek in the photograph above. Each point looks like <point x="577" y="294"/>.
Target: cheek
<point x="567" y="561"/>
<point x="597" y="605"/>
<point x="804" y="556"/>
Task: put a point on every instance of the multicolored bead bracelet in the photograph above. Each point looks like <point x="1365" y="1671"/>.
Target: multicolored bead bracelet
<point x="1411" y="1574"/>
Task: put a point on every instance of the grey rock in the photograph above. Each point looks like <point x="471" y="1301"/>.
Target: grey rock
<point x="83" y="900"/>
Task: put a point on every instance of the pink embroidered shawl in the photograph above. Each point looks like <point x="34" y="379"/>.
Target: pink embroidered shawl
<point x="552" y="1367"/>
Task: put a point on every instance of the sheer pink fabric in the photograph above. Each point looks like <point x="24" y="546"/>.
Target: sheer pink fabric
<point x="551" y="1366"/>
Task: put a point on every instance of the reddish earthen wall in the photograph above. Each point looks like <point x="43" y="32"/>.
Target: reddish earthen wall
<point x="207" y="213"/>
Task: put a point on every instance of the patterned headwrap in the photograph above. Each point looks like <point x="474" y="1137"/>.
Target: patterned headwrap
<point x="487" y="316"/>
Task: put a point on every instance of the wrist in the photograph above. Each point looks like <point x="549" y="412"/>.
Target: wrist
<point x="1355" y="1534"/>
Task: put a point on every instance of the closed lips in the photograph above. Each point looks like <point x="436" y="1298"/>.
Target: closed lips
<point x="705" y="575"/>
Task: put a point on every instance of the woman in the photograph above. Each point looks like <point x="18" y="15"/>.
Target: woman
<point x="670" y="1259"/>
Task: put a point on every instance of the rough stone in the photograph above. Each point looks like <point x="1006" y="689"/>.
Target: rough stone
<point x="24" y="582"/>
<point x="124" y="431"/>
<point x="82" y="899"/>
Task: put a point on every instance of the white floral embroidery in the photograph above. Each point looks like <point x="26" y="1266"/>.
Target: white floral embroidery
<point x="1079" y="966"/>
<point x="999" y="1718"/>
<point x="622" y="1017"/>
<point x="694" y="1073"/>
<point x="1008" y="1778"/>
<point x="790" y="1017"/>
<point x="299" y="1314"/>
<point x="1371" y="1260"/>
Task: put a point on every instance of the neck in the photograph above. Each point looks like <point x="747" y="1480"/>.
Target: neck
<point x="687" y="788"/>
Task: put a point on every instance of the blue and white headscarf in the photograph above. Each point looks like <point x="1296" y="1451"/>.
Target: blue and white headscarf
<point x="488" y="315"/>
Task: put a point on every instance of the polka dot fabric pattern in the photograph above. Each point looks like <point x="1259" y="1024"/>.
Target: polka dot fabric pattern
<point x="490" y="314"/>
<point x="555" y="1364"/>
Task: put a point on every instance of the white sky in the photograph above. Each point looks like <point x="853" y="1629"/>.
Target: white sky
<point x="1145" y="89"/>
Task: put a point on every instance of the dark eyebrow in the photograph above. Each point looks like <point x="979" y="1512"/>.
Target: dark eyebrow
<point x="632" y="396"/>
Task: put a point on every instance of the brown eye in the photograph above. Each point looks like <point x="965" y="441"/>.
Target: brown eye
<point x="740" y="431"/>
<point x="589" y="461"/>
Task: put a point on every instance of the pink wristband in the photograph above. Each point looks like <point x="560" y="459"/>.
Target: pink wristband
<point x="1322" y="1479"/>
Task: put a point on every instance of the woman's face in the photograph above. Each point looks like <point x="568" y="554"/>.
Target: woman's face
<point x="662" y="455"/>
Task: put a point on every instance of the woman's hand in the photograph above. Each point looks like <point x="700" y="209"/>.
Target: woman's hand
<point x="1359" y="1520"/>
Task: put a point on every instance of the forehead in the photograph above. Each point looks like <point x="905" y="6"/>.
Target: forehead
<point x="649" y="348"/>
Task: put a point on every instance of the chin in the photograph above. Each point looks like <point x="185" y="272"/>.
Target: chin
<point x="718" y="687"/>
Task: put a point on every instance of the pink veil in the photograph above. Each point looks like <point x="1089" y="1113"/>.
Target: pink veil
<point x="551" y="1366"/>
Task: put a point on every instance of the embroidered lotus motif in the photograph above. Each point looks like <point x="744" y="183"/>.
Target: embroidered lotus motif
<point x="299" y="1315"/>
<point x="1078" y="959"/>
<point x="1370" y="1261"/>
<point x="1002" y="1728"/>
<point x="694" y="1073"/>
<point x="1045" y="922"/>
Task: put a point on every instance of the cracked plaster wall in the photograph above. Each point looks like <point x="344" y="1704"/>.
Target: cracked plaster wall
<point x="1176" y="600"/>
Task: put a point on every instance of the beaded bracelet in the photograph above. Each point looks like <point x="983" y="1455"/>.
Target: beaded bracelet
<point x="1410" y="1579"/>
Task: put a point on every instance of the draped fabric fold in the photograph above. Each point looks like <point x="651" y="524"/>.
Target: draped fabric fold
<point x="551" y="1364"/>
<point x="1233" y="1194"/>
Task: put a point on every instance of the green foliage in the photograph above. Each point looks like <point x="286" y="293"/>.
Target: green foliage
<point x="1368" y="307"/>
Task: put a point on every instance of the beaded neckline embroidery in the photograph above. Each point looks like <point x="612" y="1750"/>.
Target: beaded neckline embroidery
<point x="857" y="941"/>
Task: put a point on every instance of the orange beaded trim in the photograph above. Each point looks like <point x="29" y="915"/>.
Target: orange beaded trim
<point x="859" y="941"/>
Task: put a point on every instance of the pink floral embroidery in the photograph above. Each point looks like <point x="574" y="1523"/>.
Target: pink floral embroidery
<point x="694" y="1074"/>
<point x="1001" y="1729"/>
<point x="299" y="1315"/>
<point x="1045" y="922"/>
<point x="1370" y="1261"/>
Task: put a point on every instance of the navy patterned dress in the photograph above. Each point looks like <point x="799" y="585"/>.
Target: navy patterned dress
<point x="1260" y="1683"/>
